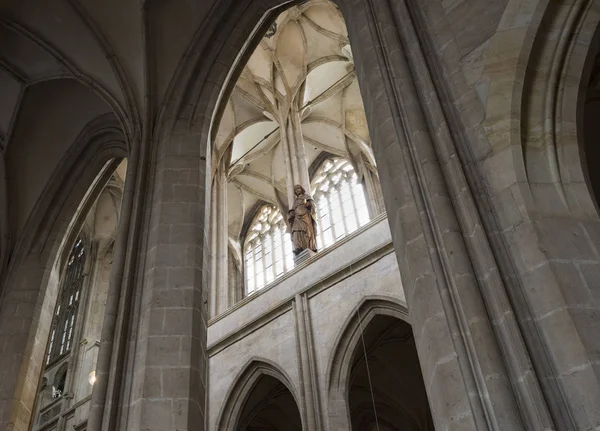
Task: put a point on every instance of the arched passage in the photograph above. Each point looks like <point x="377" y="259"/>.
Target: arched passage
<point x="262" y="397"/>
<point x="91" y="147"/>
<point x="429" y="202"/>
<point x="386" y="389"/>
<point x="270" y="406"/>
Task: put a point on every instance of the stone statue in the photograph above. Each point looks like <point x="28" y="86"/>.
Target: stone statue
<point x="303" y="222"/>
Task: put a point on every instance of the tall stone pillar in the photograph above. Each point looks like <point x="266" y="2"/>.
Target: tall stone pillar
<point x="220" y="292"/>
<point x="307" y="364"/>
<point x="474" y="363"/>
<point x="169" y="366"/>
<point x="294" y="153"/>
<point x="151" y="369"/>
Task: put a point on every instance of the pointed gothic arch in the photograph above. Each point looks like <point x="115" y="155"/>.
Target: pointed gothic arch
<point x="445" y="257"/>
<point x="54" y="224"/>
<point x="354" y="340"/>
<point x="257" y="368"/>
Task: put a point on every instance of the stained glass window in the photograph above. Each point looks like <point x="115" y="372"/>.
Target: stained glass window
<point x="65" y="314"/>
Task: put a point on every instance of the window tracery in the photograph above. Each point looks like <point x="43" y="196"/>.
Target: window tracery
<point x="341" y="209"/>
<point x="341" y="204"/>
<point x="65" y="314"/>
<point x="268" y="249"/>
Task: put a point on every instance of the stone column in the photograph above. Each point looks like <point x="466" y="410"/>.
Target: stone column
<point x="306" y="364"/>
<point x="213" y="291"/>
<point x="430" y="214"/>
<point x="294" y="153"/>
<point x="168" y="367"/>
<point x="91" y="327"/>
<point x="220" y="253"/>
<point x="299" y="153"/>
<point x="295" y="158"/>
<point x="118" y="316"/>
<point x="373" y="189"/>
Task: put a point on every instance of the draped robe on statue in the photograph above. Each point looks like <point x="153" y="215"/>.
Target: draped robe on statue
<point x="302" y="220"/>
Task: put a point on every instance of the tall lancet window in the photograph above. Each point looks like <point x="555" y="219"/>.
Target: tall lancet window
<point x="268" y="249"/>
<point x="341" y="203"/>
<point x="65" y="314"/>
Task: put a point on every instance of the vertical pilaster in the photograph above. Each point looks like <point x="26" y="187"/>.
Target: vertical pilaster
<point x="220" y="292"/>
<point x="214" y="249"/>
<point x="299" y="152"/>
<point x="306" y="364"/>
<point x="294" y="153"/>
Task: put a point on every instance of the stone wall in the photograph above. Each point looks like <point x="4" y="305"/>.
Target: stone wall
<point x="264" y="326"/>
<point x="489" y="215"/>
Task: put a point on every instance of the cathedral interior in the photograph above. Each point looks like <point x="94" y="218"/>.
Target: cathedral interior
<point x="299" y="215"/>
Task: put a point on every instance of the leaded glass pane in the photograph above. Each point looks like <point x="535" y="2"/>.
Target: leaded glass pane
<point x="268" y="254"/>
<point x="65" y="315"/>
<point x="342" y="206"/>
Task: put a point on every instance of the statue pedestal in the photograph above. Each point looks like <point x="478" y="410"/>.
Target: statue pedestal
<point x="303" y="256"/>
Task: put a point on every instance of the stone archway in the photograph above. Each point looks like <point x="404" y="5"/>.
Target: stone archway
<point x="261" y="395"/>
<point x="385" y="387"/>
<point x="31" y="281"/>
<point x="443" y="254"/>
<point x="362" y="394"/>
<point x="270" y="405"/>
<point x="450" y="265"/>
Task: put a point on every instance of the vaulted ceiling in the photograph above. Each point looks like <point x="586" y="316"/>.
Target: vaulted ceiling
<point x="106" y="44"/>
<point x="304" y="60"/>
<point x="64" y="63"/>
<point x="125" y="55"/>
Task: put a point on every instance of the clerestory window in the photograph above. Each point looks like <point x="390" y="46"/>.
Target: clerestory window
<point x="341" y="209"/>
<point x="341" y="204"/>
<point x="268" y="249"/>
<point x="65" y="314"/>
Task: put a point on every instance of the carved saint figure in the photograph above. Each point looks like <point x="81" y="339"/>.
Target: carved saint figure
<point x="302" y="220"/>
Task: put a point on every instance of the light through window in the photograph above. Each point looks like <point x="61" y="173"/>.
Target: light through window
<point x="268" y="249"/>
<point x="65" y="315"/>
<point x="341" y="209"/>
<point x="341" y="203"/>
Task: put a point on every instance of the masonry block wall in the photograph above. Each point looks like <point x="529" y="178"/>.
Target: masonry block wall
<point x="264" y="326"/>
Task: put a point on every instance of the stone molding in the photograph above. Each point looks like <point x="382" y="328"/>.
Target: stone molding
<point x="282" y="307"/>
<point x="300" y="267"/>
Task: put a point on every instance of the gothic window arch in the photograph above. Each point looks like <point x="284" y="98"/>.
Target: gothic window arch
<point x="267" y="249"/>
<point x="341" y="201"/>
<point x="65" y="313"/>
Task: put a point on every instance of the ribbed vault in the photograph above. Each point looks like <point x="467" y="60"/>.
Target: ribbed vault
<point x="299" y="84"/>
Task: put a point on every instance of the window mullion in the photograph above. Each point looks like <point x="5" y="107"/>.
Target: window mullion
<point x="354" y="206"/>
<point x="281" y="234"/>
<point x="320" y="226"/>
<point x="273" y="263"/>
<point x="284" y="239"/>
<point x="331" y="221"/>
<point x="339" y="198"/>
<point x="254" y="260"/>
<point x="264" y="259"/>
